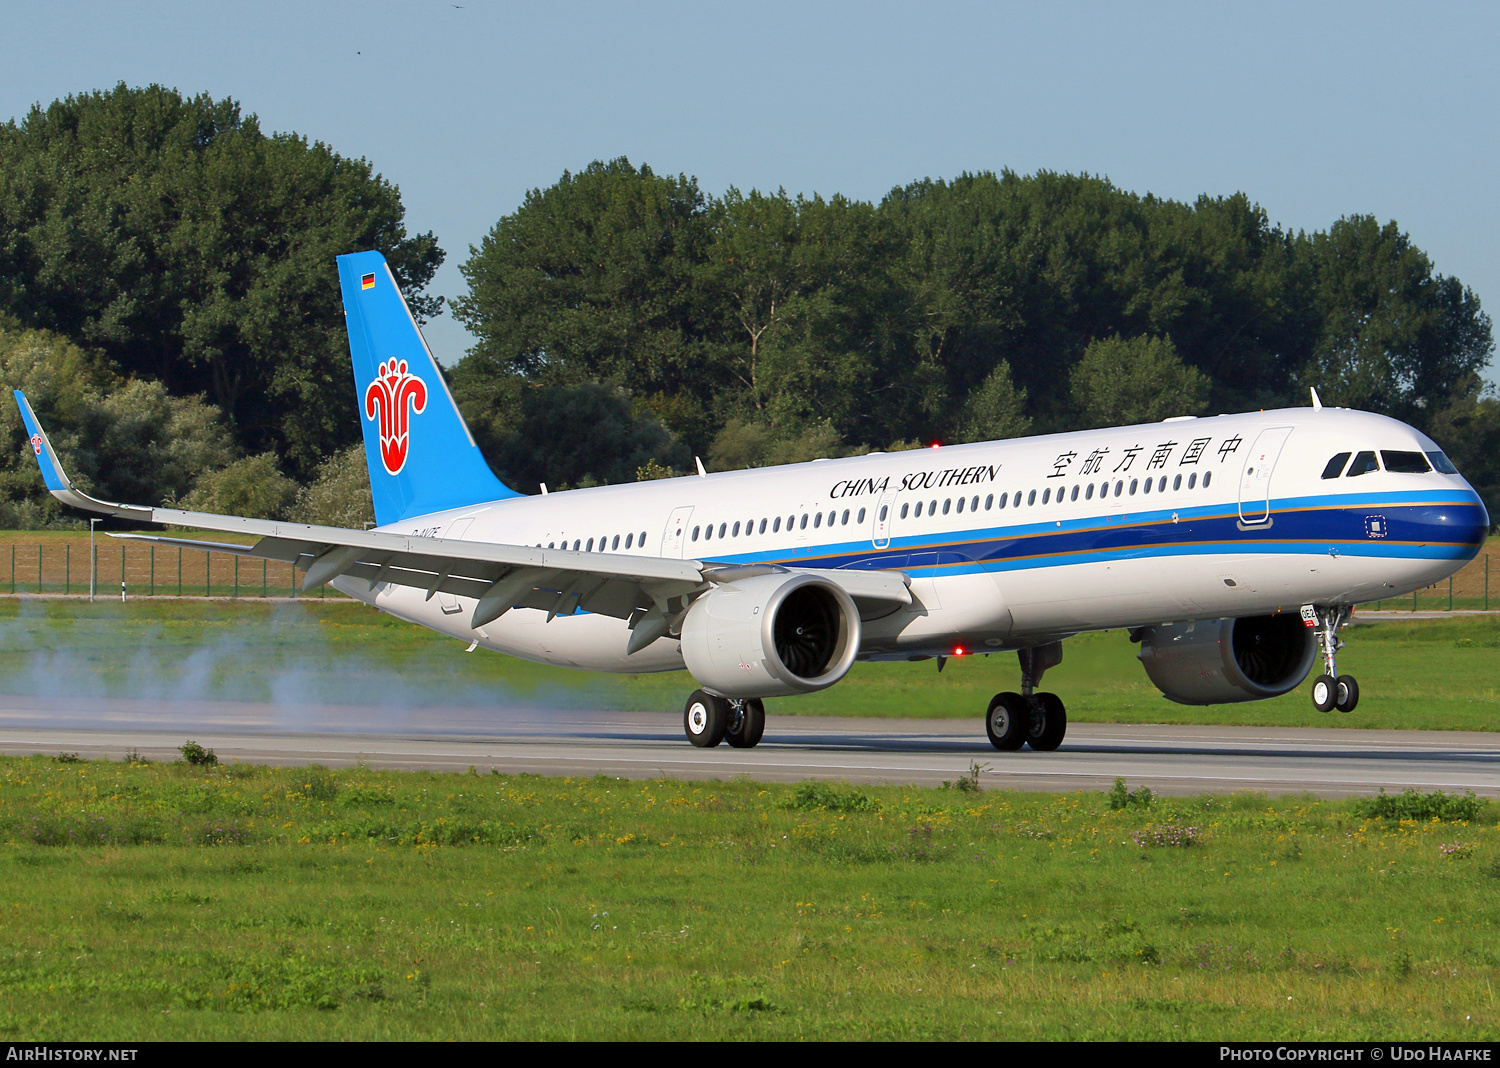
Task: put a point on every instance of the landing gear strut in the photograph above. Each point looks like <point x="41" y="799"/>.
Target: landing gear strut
<point x="1331" y="690"/>
<point x="709" y="719"/>
<point x="1029" y="718"/>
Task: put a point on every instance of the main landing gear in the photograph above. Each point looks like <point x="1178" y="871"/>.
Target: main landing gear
<point x="1331" y="690"/>
<point x="709" y="719"/>
<point x="1029" y="718"/>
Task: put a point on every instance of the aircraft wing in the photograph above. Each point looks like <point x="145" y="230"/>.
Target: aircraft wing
<point x="497" y="576"/>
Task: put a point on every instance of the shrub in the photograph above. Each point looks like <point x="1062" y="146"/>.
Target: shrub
<point x="1411" y="804"/>
<point x="816" y="795"/>
<point x="197" y="755"/>
<point x="1140" y="799"/>
<point x="69" y="758"/>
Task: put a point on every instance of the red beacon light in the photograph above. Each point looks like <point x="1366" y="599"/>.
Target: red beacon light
<point x="937" y="444"/>
<point x="958" y="650"/>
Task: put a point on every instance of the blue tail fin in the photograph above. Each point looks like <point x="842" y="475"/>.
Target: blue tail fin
<point x="421" y="455"/>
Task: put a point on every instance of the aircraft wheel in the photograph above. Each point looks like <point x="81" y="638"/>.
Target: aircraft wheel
<point x="1006" y="721"/>
<point x="705" y="719"/>
<point x="1348" y="693"/>
<point x="1049" y="722"/>
<point x="1324" y="693"/>
<point x="745" y="730"/>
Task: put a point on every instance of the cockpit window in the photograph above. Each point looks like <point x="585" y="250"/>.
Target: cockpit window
<point x="1405" y="463"/>
<point x="1335" y="466"/>
<point x="1441" y="462"/>
<point x="1363" y="464"/>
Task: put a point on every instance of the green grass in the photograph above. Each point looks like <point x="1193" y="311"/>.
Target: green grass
<point x="1439" y="674"/>
<point x="174" y="902"/>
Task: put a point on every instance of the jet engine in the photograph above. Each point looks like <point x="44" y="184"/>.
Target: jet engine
<point x="1219" y="661"/>
<point x="770" y="636"/>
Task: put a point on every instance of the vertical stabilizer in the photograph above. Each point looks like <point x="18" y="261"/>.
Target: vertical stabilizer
<point x="421" y="455"/>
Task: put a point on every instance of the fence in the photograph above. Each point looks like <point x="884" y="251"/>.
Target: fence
<point x="149" y="571"/>
<point x="154" y="571"/>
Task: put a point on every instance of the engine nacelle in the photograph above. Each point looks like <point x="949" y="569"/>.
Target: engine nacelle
<point x="770" y="636"/>
<point x="1219" y="661"/>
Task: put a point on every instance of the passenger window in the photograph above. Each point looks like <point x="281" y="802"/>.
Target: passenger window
<point x="1176" y="482"/>
<point x="629" y="538"/>
<point x="947" y="504"/>
<point x="695" y="538"/>
<point x="817" y="520"/>
<point x="1119" y="487"/>
<point x="1335" y="466"/>
<point x="641" y="541"/>
<point x="1363" y="464"/>
<point x="1206" y="476"/>
<point x="776" y="526"/>
<point x="1192" y="480"/>
<point x="988" y="501"/>
<point x="1147" y="487"/>
<point x="861" y="517"/>
<point x="830" y="518"/>
<point x="591" y="540"/>
<point x="1161" y="487"/>
<point x="723" y="527"/>
<point x="804" y="520"/>
<point x="1441" y="462"/>
<point x="974" y="504"/>
<point x="1074" y="495"/>
<point x="1404" y="463"/>
<point x="844" y="521"/>
<point x="550" y="545"/>
<point x="762" y="526"/>
<point x="576" y="543"/>
<point x="1133" y="484"/>
<point x="1031" y="497"/>
<point x="904" y="508"/>
<point x="960" y="506"/>
<point x="1088" y="492"/>
<point x="932" y="507"/>
<point x="1002" y="500"/>
<point x="616" y="543"/>
<point x="734" y="532"/>
<point x="1046" y="494"/>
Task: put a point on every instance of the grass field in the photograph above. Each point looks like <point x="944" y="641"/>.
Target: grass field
<point x="1439" y="674"/>
<point x="180" y="902"/>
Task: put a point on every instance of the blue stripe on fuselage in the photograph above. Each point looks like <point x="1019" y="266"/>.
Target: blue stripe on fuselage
<point x="1412" y="525"/>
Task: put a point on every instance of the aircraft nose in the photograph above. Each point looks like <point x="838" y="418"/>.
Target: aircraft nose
<point x="1465" y="524"/>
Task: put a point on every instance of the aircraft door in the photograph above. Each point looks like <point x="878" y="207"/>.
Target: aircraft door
<point x="880" y="532"/>
<point x="456" y="530"/>
<point x="674" y="539"/>
<point x="1255" y="479"/>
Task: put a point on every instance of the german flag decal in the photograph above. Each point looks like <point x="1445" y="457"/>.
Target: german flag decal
<point x="367" y="282"/>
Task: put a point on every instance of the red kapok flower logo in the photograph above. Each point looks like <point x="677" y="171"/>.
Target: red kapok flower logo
<point x="391" y="399"/>
<point x="36" y="444"/>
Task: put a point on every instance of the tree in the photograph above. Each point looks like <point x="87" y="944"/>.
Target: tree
<point x="1121" y="381"/>
<point x="339" y="494"/>
<point x="1392" y="337"/>
<point x="583" y="435"/>
<point x="590" y="280"/>
<point x="996" y="410"/>
<point x="189" y="247"/>
<point x="250" y="487"/>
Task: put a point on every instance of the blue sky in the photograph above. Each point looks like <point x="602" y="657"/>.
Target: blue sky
<point x="1314" y="110"/>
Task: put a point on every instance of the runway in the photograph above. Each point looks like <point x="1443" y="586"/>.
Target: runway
<point x="1169" y="759"/>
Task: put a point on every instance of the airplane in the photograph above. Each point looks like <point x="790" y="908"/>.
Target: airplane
<point x="1232" y="548"/>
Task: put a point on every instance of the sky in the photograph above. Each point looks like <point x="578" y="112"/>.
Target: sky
<point x="1314" y="110"/>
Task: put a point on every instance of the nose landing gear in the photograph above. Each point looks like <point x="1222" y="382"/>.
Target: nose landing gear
<point x="1029" y="718"/>
<point x="1331" y="690"/>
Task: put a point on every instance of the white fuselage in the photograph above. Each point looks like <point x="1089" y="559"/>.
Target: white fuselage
<point x="1010" y="543"/>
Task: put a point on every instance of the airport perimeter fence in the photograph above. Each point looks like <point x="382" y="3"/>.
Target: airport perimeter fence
<point x="62" y="568"/>
<point x="124" y="571"/>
